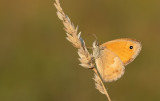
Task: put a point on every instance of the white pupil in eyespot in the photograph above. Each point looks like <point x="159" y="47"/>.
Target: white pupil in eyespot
<point x="131" y="47"/>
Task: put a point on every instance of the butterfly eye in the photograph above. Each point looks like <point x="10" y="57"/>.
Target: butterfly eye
<point x="131" y="47"/>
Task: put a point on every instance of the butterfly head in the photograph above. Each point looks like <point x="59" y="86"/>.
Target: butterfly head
<point x="96" y="49"/>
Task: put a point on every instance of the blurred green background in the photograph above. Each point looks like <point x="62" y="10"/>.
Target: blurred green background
<point x="37" y="63"/>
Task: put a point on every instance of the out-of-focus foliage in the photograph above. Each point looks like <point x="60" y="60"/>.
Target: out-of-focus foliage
<point x="37" y="63"/>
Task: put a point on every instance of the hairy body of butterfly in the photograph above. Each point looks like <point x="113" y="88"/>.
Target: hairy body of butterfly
<point x="112" y="56"/>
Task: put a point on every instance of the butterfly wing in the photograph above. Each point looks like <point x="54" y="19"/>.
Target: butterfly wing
<point x="126" y="49"/>
<point x="109" y="65"/>
<point x="112" y="56"/>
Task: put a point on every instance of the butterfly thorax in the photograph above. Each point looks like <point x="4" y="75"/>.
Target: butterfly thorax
<point x="97" y="50"/>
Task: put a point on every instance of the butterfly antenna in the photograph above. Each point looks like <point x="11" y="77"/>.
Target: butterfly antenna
<point x="95" y="37"/>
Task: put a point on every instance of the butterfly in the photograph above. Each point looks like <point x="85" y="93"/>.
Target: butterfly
<point x="112" y="57"/>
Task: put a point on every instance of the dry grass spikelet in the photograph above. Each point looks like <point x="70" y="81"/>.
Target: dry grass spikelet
<point x="75" y="38"/>
<point x="98" y="83"/>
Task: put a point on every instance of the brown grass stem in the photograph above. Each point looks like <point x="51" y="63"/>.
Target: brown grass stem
<point x="105" y="91"/>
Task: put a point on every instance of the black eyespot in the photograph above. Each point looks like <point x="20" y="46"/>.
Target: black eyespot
<point x="131" y="47"/>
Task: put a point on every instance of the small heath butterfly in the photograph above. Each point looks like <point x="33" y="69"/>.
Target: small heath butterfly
<point x="112" y="56"/>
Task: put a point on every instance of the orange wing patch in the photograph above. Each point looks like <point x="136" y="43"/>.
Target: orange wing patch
<point x="126" y="49"/>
